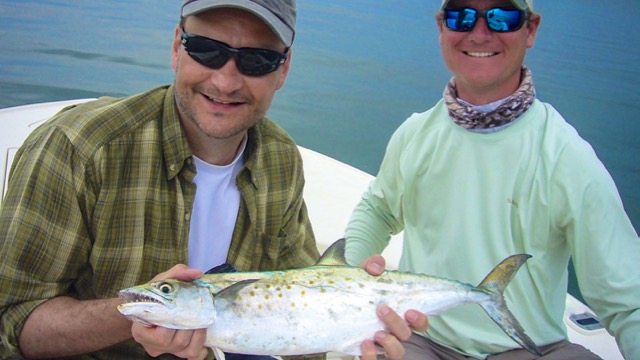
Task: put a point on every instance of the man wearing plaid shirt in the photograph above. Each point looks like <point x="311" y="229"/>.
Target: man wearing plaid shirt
<point x="110" y="193"/>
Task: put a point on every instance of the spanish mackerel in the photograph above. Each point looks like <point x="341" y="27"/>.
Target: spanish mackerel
<point x="328" y="307"/>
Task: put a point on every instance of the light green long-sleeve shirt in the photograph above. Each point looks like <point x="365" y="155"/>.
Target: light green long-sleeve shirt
<point x="467" y="200"/>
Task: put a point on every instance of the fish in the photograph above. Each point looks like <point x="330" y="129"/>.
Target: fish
<point x="328" y="307"/>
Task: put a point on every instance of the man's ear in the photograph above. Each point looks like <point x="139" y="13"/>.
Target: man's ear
<point x="175" y="48"/>
<point x="533" y="23"/>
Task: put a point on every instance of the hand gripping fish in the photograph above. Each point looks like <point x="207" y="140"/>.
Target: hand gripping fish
<point x="328" y="307"/>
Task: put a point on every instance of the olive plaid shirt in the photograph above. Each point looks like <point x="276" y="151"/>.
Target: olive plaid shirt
<point x="100" y="198"/>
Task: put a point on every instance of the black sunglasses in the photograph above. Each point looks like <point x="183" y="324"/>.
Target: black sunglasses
<point x="214" y="54"/>
<point x="498" y="19"/>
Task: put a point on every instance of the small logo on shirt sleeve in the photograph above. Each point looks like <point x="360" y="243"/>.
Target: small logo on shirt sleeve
<point x="512" y="202"/>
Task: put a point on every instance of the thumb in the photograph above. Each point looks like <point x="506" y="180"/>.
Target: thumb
<point x="180" y="272"/>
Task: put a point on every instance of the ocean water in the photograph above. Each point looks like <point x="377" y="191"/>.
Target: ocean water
<point x="360" y="68"/>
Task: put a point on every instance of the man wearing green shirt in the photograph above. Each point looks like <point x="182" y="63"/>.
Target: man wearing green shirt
<point x="488" y="172"/>
<point x="113" y="192"/>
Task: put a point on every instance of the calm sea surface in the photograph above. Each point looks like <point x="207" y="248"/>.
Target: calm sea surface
<point x="360" y="68"/>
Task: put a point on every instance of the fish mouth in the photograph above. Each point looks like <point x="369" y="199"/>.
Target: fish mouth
<point x="130" y="297"/>
<point x="131" y="306"/>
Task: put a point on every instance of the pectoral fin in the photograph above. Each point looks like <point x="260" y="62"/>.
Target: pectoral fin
<point x="231" y="292"/>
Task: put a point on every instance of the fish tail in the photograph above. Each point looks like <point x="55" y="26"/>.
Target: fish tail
<point x="497" y="309"/>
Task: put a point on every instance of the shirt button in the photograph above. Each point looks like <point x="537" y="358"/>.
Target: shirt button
<point x="187" y="216"/>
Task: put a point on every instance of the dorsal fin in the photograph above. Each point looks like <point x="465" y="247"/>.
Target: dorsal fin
<point x="222" y="269"/>
<point x="334" y="255"/>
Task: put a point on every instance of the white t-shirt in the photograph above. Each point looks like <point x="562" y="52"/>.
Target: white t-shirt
<point x="215" y="211"/>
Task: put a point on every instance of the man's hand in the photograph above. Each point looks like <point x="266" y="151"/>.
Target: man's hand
<point x="157" y="340"/>
<point x="399" y="329"/>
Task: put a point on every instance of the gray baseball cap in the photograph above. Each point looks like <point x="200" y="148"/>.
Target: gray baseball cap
<point x="520" y="4"/>
<point x="280" y="15"/>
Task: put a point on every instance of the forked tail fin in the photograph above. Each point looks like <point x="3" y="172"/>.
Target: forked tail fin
<point x="494" y="284"/>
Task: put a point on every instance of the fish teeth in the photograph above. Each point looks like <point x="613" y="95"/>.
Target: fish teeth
<point x="138" y="298"/>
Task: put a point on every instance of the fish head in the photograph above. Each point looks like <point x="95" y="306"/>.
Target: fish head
<point x="169" y="303"/>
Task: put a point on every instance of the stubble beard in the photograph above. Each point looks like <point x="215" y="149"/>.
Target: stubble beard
<point x="187" y="110"/>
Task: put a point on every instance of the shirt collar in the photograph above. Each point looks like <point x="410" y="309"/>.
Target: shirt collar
<point x="253" y="155"/>
<point x="174" y="142"/>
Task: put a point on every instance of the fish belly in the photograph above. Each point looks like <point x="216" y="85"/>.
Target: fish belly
<point x="308" y="323"/>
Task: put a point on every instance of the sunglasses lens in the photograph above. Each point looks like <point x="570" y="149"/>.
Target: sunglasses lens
<point x="214" y="54"/>
<point x="460" y="20"/>
<point x="500" y="20"/>
<point x="207" y="52"/>
<point x="256" y="62"/>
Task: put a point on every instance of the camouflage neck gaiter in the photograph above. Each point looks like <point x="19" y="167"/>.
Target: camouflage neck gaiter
<point x="511" y="108"/>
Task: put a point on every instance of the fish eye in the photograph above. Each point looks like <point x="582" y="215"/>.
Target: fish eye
<point x="165" y="288"/>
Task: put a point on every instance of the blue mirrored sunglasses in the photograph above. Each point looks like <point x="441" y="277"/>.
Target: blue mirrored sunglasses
<point x="214" y="54"/>
<point x="498" y="19"/>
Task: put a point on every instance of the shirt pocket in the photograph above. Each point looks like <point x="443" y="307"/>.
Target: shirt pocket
<point x="279" y="252"/>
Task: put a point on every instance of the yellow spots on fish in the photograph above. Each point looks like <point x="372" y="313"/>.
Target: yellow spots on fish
<point x="288" y="287"/>
<point x="293" y="304"/>
<point x="266" y="297"/>
<point x="280" y="295"/>
<point x="303" y="293"/>
<point x="322" y="290"/>
<point x="311" y="282"/>
<point x="253" y="293"/>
